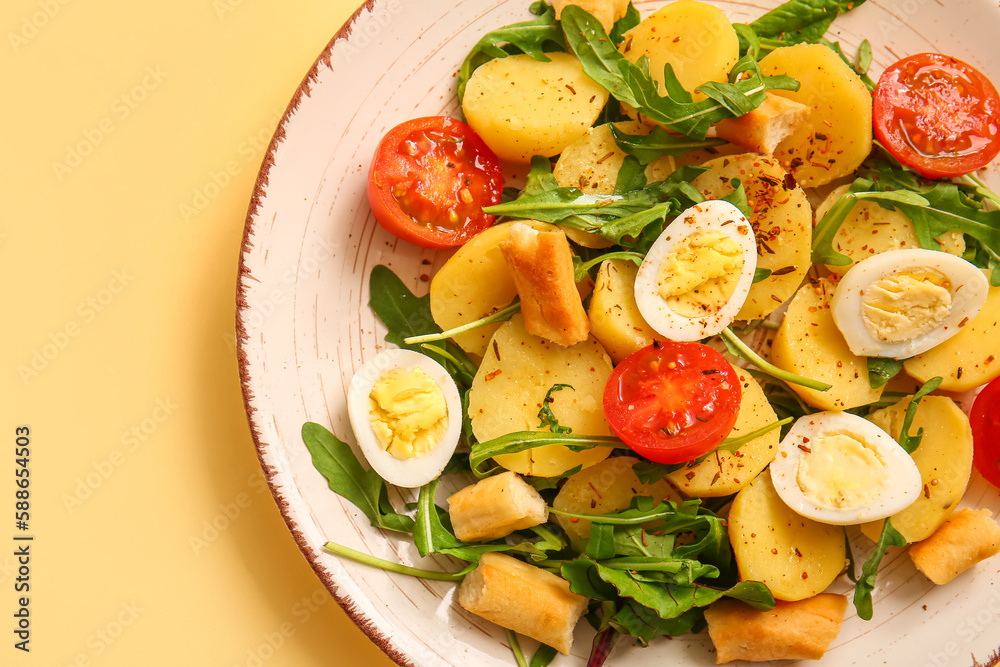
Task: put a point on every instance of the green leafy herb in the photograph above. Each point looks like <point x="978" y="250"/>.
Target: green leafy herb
<point x="738" y="348"/>
<point x="530" y="37"/>
<point x="501" y="315"/>
<point x="399" y="568"/>
<point x="346" y="477"/>
<point x="632" y="84"/>
<point x="630" y="20"/>
<point x="869" y="571"/>
<point x="647" y="147"/>
<point x="524" y="440"/>
<point x="544" y="654"/>
<point x="760" y="274"/>
<point x="907" y="441"/>
<point x="881" y="370"/>
<point x="798" y="21"/>
<point x="545" y="416"/>
<point x="431" y="535"/>
<point x="631" y="176"/>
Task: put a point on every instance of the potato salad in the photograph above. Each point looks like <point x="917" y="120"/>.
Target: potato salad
<point x="727" y="336"/>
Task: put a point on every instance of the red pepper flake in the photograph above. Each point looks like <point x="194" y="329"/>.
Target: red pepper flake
<point x="493" y="374"/>
<point x="805" y="449"/>
<point x="596" y="492"/>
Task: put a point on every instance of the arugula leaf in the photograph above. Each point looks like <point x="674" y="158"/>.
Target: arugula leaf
<point x="520" y="441"/>
<point x="544" y="654"/>
<point x="645" y="625"/>
<point x="529" y="37"/>
<point x="632" y="84"/>
<point x="907" y="441"/>
<point x="431" y="535"/>
<point x="869" y="571"/>
<point x="631" y="176"/>
<point x="545" y="415"/>
<point x="799" y="21"/>
<point x="647" y="147"/>
<point x="346" y="477"/>
<point x="623" y="25"/>
<point x="881" y="370"/>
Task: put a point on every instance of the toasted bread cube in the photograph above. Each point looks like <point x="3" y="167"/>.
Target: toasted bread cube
<point x="605" y="11"/>
<point x="542" y="266"/>
<point x="761" y="130"/>
<point x="495" y="507"/>
<point x="523" y="598"/>
<point x="962" y="541"/>
<point x="801" y="630"/>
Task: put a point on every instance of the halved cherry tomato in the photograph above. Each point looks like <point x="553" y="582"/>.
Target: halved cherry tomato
<point x="938" y="115"/>
<point x="430" y="179"/>
<point x="985" y="421"/>
<point x="672" y="402"/>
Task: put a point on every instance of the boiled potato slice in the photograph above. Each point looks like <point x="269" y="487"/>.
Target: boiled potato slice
<point x="696" y="39"/>
<point x="944" y="458"/>
<point x="809" y="344"/>
<point x="724" y="473"/>
<point x="605" y="11"/>
<point x="967" y="359"/>
<point x="870" y="229"/>
<point x="523" y="107"/>
<point x="615" y="319"/>
<point x="605" y="487"/>
<point x="794" y="556"/>
<point x="507" y="393"/>
<point x="781" y="219"/>
<point x="837" y="137"/>
<point x="474" y="283"/>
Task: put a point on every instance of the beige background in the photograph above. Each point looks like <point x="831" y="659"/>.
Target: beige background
<point x="131" y="137"/>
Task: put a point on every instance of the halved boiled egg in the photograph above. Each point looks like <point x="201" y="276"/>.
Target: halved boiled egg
<point x="406" y="413"/>
<point x="841" y="469"/>
<point x="903" y="302"/>
<point x="698" y="272"/>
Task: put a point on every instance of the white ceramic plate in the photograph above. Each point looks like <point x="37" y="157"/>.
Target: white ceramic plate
<point x="304" y="326"/>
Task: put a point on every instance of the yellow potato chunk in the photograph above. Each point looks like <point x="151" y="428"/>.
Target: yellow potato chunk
<point x="605" y="487"/>
<point x="967" y="359"/>
<point x="523" y="107"/>
<point x="809" y="344"/>
<point x="474" y="283"/>
<point x="782" y="222"/>
<point x="605" y="11"/>
<point x="794" y="556"/>
<point x="696" y="39"/>
<point x="837" y="137"/>
<point x="510" y="386"/>
<point x="870" y="229"/>
<point x="615" y="319"/>
<point x="724" y="473"/>
<point x="944" y="459"/>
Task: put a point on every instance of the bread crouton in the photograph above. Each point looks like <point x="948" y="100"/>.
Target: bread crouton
<point x="523" y="598"/>
<point x="605" y="11"/>
<point x="962" y="541"/>
<point x="542" y="266"/>
<point x="761" y="130"/>
<point x="801" y="630"/>
<point x="495" y="507"/>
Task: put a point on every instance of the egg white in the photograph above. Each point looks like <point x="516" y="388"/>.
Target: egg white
<point x="904" y="481"/>
<point x="846" y="305"/>
<point x="711" y="215"/>
<point x="418" y="470"/>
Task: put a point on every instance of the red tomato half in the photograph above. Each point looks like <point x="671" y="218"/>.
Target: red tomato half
<point x="985" y="421"/>
<point x="938" y="115"/>
<point x="430" y="179"/>
<point x="672" y="402"/>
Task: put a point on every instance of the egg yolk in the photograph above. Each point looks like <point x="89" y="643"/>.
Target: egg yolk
<point x="699" y="274"/>
<point x="408" y="412"/>
<point x="904" y="305"/>
<point x="839" y="471"/>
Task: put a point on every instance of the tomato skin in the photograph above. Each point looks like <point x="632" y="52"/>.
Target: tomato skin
<point x="938" y="115"/>
<point x="430" y="179"/>
<point x="672" y="402"/>
<point x="985" y="421"/>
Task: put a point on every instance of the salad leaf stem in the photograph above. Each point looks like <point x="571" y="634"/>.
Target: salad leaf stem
<point x="742" y="350"/>
<point x="515" y="647"/>
<point x="581" y="269"/>
<point x="869" y="571"/>
<point x="501" y="315"/>
<point x="399" y="568"/>
<point x="911" y="442"/>
<point x="519" y="441"/>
